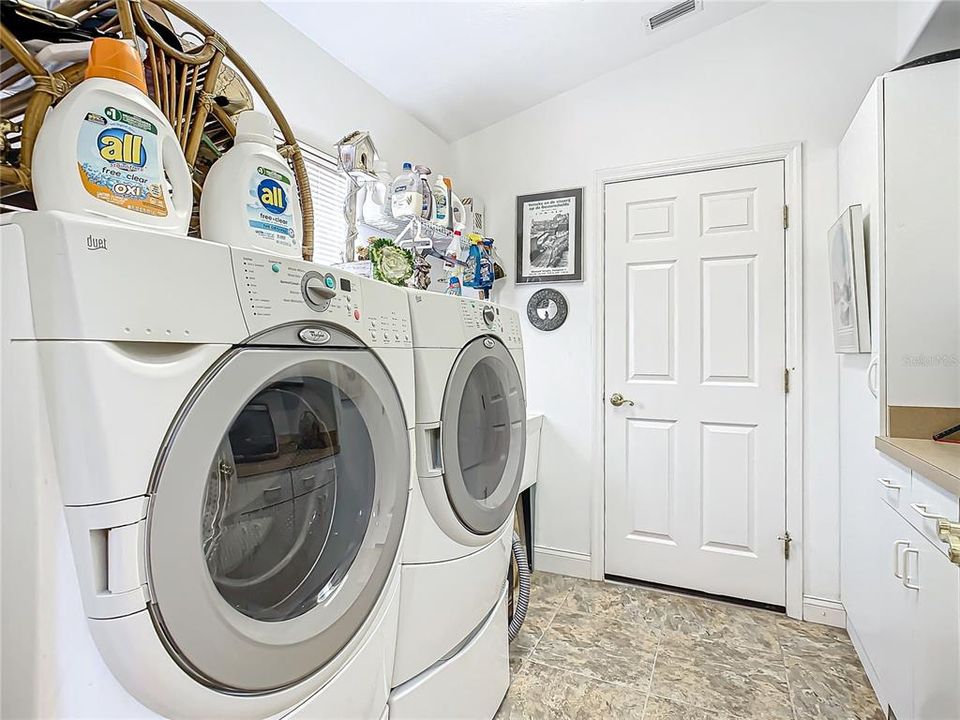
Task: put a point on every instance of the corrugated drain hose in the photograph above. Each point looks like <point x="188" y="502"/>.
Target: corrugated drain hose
<point x="523" y="578"/>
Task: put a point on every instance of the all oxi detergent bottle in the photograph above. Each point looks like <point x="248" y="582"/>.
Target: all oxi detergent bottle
<point x="249" y="198"/>
<point x="106" y="149"/>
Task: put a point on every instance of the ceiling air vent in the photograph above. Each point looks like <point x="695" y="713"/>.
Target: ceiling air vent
<point x="672" y="13"/>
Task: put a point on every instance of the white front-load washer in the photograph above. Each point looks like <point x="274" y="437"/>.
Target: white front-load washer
<point x="452" y="658"/>
<point x="209" y="467"/>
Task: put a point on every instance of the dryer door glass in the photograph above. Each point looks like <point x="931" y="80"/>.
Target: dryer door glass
<point x="296" y="513"/>
<point x="483" y="435"/>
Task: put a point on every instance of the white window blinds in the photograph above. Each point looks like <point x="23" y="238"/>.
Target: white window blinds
<point x="328" y="189"/>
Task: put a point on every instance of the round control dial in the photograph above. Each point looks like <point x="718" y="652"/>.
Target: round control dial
<point x="489" y="316"/>
<point x="317" y="290"/>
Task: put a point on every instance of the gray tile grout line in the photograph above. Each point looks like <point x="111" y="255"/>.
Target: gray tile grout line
<point x="786" y="676"/>
<point x="547" y="627"/>
<point x="653" y="669"/>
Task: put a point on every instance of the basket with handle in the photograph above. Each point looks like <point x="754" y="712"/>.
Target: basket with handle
<point x="183" y="79"/>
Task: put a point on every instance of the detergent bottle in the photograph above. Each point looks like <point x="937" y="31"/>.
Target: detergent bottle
<point x="250" y="199"/>
<point x="426" y="206"/>
<point x="406" y="197"/>
<point x="107" y="150"/>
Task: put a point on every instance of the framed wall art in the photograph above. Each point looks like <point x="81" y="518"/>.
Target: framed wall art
<point x="847" y="251"/>
<point x="550" y="237"/>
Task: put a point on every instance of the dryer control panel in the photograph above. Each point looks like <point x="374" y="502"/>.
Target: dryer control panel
<point x="276" y="290"/>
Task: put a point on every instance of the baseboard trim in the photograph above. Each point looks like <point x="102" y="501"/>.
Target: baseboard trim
<point x="562" y="562"/>
<point x="824" y="611"/>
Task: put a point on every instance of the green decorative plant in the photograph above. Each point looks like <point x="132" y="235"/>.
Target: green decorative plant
<point x="391" y="264"/>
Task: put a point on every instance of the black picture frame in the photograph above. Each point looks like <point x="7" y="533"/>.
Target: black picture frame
<point x="556" y="267"/>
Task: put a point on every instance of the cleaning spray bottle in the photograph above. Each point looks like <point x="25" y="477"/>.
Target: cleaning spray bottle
<point x="106" y="149"/>
<point x="249" y="198"/>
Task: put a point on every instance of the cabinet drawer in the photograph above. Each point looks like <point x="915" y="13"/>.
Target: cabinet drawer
<point x="928" y="503"/>
<point x="893" y="482"/>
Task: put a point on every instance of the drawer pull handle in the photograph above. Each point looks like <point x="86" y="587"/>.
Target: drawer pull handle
<point x="897" y="557"/>
<point x="910" y="582"/>
<point x="921" y="510"/>
<point x="889" y="484"/>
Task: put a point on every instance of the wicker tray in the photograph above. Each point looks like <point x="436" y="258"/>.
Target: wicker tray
<point x="183" y="82"/>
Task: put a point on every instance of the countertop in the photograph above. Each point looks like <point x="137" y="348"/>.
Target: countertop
<point x="938" y="462"/>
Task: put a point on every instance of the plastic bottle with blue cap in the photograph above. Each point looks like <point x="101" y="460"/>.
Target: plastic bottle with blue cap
<point x="250" y="199"/>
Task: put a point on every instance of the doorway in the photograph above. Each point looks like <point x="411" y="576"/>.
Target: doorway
<point x="696" y="348"/>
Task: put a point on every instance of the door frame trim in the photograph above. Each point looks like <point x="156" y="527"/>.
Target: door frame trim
<point x="791" y="156"/>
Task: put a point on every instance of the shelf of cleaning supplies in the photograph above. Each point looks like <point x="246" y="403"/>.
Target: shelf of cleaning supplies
<point x="413" y="232"/>
<point x="417" y="235"/>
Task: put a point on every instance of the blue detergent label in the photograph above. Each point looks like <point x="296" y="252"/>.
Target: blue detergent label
<point x="119" y="162"/>
<point x="269" y="211"/>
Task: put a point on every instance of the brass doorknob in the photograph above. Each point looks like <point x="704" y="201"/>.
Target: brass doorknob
<point x="617" y="400"/>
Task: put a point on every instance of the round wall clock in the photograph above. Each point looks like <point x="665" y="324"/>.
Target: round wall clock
<point x="547" y="309"/>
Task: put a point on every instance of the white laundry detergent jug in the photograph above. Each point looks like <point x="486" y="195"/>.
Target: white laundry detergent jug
<point x="448" y="210"/>
<point x="106" y="149"/>
<point x="406" y="196"/>
<point x="250" y="199"/>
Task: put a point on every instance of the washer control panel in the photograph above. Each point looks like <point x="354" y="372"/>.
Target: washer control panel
<point x="480" y="317"/>
<point x="276" y="290"/>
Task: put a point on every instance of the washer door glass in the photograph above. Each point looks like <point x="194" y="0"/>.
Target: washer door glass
<point x="483" y="435"/>
<point x="288" y="498"/>
<point x="298" y="507"/>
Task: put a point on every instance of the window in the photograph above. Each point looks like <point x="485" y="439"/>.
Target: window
<point x="328" y="189"/>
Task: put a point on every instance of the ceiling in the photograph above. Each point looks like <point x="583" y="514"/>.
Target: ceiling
<point x="461" y="66"/>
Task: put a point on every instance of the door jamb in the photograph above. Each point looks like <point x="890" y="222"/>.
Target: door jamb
<point x="791" y="156"/>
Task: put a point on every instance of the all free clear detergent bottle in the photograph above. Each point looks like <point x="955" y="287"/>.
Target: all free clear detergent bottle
<point x="106" y="149"/>
<point x="249" y="198"/>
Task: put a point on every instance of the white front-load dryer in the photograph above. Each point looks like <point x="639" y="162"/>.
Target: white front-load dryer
<point x="215" y="468"/>
<point x="470" y="432"/>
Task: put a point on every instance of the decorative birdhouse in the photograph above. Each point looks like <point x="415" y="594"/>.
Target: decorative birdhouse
<point x="357" y="153"/>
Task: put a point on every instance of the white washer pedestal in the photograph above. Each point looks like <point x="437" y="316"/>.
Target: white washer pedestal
<point x="470" y="684"/>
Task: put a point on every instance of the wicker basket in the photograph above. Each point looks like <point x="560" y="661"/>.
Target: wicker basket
<point x="182" y="81"/>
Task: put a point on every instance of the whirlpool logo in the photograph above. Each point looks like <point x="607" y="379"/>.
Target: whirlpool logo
<point x="314" y="336"/>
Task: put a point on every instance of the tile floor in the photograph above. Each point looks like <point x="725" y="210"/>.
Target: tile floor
<point x="600" y="650"/>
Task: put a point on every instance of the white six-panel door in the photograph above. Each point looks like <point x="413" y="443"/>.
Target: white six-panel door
<point x="694" y="339"/>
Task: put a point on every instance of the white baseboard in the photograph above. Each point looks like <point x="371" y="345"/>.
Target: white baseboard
<point x="823" y="611"/>
<point x="562" y="562"/>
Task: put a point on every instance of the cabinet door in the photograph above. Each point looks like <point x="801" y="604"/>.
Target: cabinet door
<point x="933" y="600"/>
<point x="888" y="630"/>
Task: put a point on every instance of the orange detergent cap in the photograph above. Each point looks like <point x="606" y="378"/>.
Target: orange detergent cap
<point x="117" y="60"/>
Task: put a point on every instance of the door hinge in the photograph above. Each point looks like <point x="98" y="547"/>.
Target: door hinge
<point x="786" y="540"/>
<point x="786" y="217"/>
<point x="786" y="380"/>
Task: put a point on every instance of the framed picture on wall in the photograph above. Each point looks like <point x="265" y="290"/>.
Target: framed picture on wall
<point x="847" y="252"/>
<point x="550" y="237"/>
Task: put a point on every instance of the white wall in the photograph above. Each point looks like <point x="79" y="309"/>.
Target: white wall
<point x="321" y="99"/>
<point x="940" y="32"/>
<point x="780" y="73"/>
<point x="912" y="19"/>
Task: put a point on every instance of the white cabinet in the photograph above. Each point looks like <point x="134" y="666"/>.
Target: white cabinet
<point x="933" y="609"/>
<point x="903" y="609"/>
<point x="900" y="160"/>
